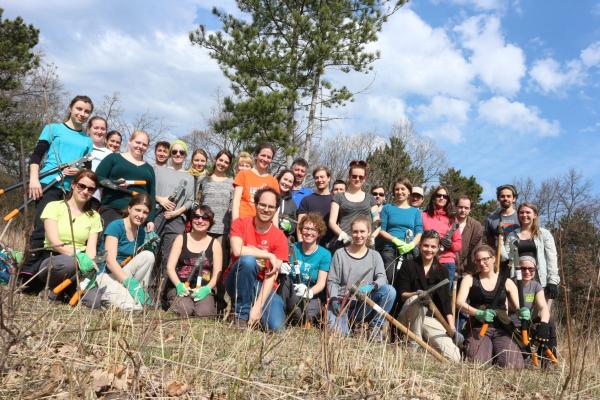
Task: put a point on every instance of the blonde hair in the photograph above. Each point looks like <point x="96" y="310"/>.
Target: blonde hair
<point x="245" y="157"/>
<point x="138" y="133"/>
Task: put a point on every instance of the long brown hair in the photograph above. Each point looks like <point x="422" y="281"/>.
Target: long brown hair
<point x="535" y="226"/>
<point x="84" y="173"/>
<point x="449" y="208"/>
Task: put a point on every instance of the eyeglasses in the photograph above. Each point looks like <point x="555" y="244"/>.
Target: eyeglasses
<point x="266" y="207"/>
<point x="309" y="229"/>
<point x="205" y="217"/>
<point x="357" y="177"/>
<point x="379" y="194"/>
<point x="177" y="152"/>
<point x="531" y="270"/>
<point x="483" y="259"/>
<point x="441" y="196"/>
<point x="81" y="187"/>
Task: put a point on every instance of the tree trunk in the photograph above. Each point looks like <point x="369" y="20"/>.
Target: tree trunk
<point x="311" y="115"/>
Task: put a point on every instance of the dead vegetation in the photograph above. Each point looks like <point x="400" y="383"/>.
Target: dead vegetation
<point x="63" y="352"/>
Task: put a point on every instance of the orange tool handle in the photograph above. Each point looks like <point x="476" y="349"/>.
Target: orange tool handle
<point x="125" y="261"/>
<point x="483" y="329"/>
<point x="133" y="194"/>
<point x="135" y="182"/>
<point x="11" y="215"/>
<point x="2" y="192"/>
<point x="550" y="355"/>
<point x="534" y="358"/>
<point x="65" y="284"/>
<point x="75" y="299"/>
<point x="186" y="284"/>
<point x="525" y="337"/>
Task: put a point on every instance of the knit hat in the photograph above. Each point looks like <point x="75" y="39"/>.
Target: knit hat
<point x="181" y="143"/>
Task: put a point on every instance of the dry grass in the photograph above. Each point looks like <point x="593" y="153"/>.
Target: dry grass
<point x="66" y="352"/>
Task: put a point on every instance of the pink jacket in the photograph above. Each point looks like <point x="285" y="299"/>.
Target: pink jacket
<point x="441" y="223"/>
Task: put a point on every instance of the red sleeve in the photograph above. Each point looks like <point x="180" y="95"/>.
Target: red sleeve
<point x="456" y="241"/>
<point x="237" y="228"/>
<point x="280" y="246"/>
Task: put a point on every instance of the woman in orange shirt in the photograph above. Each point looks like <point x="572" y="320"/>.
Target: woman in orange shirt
<point x="248" y="182"/>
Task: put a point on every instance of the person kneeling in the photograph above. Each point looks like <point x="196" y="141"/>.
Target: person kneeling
<point x="125" y="283"/>
<point x="302" y="289"/>
<point x="194" y="267"/>
<point x="415" y="277"/>
<point x="358" y="265"/>
<point x="258" y="248"/>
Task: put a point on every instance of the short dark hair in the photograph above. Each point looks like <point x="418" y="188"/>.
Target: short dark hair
<point x="321" y="168"/>
<point x="377" y="186"/>
<point x="300" y="161"/>
<point x="510" y="187"/>
<point x="404" y="182"/>
<point x="339" y="182"/>
<point x="206" y="210"/>
<point x="113" y="133"/>
<point x="262" y="146"/>
<point x="162" y="143"/>
<point x="463" y="197"/>
<point x="260" y="192"/>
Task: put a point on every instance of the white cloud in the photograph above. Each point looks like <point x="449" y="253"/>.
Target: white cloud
<point x="486" y="5"/>
<point x="443" y="117"/>
<point x="386" y="109"/>
<point x="551" y="77"/>
<point x="517" y="117"/>
<point x="590" y="56"/>
<point x="419" y="59"/>
<point x="498" y="64"/>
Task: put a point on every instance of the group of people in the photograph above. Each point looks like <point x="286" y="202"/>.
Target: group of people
<point x="130" y="234"/>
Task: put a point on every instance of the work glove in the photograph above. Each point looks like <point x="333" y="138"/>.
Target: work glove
<point x="458" y="338"/>
<point x="542" y="333"/>
<point x="285" y="225"/>
<point x="182" y="290"/>
<point x="301" y="290"/>
<point x="446" y="243"/>
<point x="423" y="298"/>
<point x="406" y="247"/>
<point x="551" y="291"/>
<point x="285" y="268"/>
<point x="398" y="243"/>
<point x="524" y="314"/>
<point x="366" y="289"/>
<point x="86" y="264"/>
<point x="335" y="305"/>
<point x="154" y="246"/>
<point x="344" y="238"/>
<point x="136" y="290"/>
<point x="486" y="315"/>
<point x="201" y="292"/>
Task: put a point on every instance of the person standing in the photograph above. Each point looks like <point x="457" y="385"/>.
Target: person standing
<point x="339" y="186"/>
<point x="505" y="216"/>
<point x="417" y="197"/>
<point x="287" y="210"/>
<point x="471" y="233"/>
<point x="299" y="167"/>
<point x="113" y="141"/>
<point x="318" y="202"/>
<point x="161" y="154"/>
<point x="258" y="249"/>
<point x="96" y="129"/>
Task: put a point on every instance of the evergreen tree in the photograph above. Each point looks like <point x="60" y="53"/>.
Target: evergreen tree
<point x="276" y="61"/>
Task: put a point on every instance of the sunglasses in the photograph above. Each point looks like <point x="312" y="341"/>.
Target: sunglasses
<point x="357" y="177"/>
<point x="428" y="234"/>
<point x="81" y="187"/>
<point x="531" y="270"/>
<point x="358" y="163"/>
<point x="176" y="152"/>
<point x="205" y="217"/>
<point x="441" y="196"/>
<point x="379" y="194"/>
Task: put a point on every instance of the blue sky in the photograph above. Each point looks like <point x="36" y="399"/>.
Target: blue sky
<point x="507" y="88"/>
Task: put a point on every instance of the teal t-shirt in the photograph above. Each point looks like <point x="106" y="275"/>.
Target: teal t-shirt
<point x="396" y="221"/>
<point x="310" y="265"/>
<point x="125" y="247"/>
<point x="66" y="145"/>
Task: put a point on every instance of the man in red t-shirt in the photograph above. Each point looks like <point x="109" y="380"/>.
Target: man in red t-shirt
<point x="258" y="249"/>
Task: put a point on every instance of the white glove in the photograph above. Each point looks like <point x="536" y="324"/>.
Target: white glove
<point x="370" y="241"/>
<point x="285" y="268"/>
<point x="301" y="290"/>
<point x="344" y="238"/>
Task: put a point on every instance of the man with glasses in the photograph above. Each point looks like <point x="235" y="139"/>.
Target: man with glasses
<point x="258" y="249"/>
<point x="378" y="193"/>
<point x="318" y="202"/>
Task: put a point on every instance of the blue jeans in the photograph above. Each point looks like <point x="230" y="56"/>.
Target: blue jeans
<point x="358" y="311"/>
<point x="451" y="267"/>
<point x="243" y="287"/>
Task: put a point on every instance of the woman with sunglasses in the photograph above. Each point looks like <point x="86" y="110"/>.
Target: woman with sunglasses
<point x="171" y="216"/>
<point x="194" y="268"/>
<point x="287" y="210"/>
<point x="439" y="216"/>
<point x="414" y="278"/>
<point x="303" y="291"/>
<point x="117" y="168"/>
<point x="483" y="296"/>
<point x="358" y="265"/>
<point x="248" y="182"/>
<point x="401" y="228"/>
<point x="58" y="143"/>
<point x="65" y="220"/>
<point x="125" y="280"/>
<point x="353" y="203"/>
<point x="533" y="240"/>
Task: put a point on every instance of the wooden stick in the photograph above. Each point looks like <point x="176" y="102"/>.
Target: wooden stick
<point x="354" y="291"/>
<point x="438" y="315"/>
